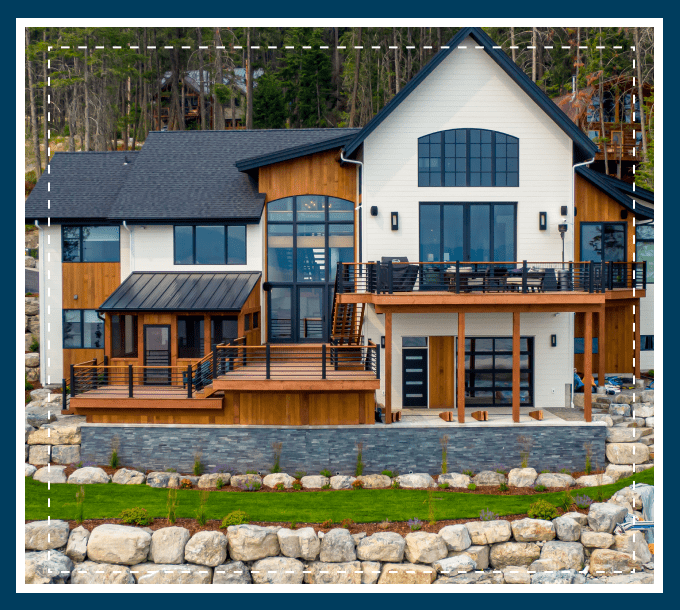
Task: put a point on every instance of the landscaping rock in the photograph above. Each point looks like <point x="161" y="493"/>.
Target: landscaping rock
<point x="478" y="554"/>
<point x="232" y="573"/>
<point x="472" y="578"/>
<point x="314" y="482"/>
<point x="456" y="537"/>
<point x="242" y="480"/>
<point x="489" y="477"/>
<point x="46" y="567"/>
<point x="407" y="574"/>
<point x="44" y="535"/>
<point x="532" y="530"/>
<point x="358" y="537"/>
<point x="556" y="479"/>
<point x="375" y="481"/>
<point x="272" y="480"/>
<point x="252" y="542"/>
<point x="342" y="482"/>
<point x="638" y="578"/>
<point x="423" y="547"/>
<point x="569" y="554"/>
<point x="617" y="409"/>
<point x="206" y="549"/>
<point x="561" y="577"/>
<point x="302" y="543"/>
<point x="39" y="454"/>
<point x="337" y="546"/>
<point x="348" y="573"/>
<point x="209" y="481"/>
<point x="567" y="529"/>
<point x="37" y="414"/>
<point x="118" y="544"/>
<point x="64" y="431"/>
<point x="277" y="571"/>
<point x="489" y="532"/>
<point x="76" y="547"/>
<point x="516" y="575"/>
<point x="88" y="475"/>
<point x="167" y="545"/>
<point x="455" y="479"/>
<point x="633" y="543"/>
<point x="627" y="453"/>
<point x="522" y="477"/>
<point x="603" y="517"/>
<point x="628" y="498"/>
<point x="647" y="396"/>
<point x="455" y="565"/>
<point x="607" y="562"/>
<point x="171" y="574"/>
<point x="644" y="410"/>
<point x="32" y="360"/>
<point x="29" y="470"/>
<point x="65" y="454"/>
<point x="546" y="565"/>
<point x="603" y="417"/>
<point x="513" y="554"/>
<point x="371" y="572"/>
<point x="383" y="546"/>
<point x="50" y="474"/>
<point x="40" y="395"/>
<point x="91" y="573"/>
<point x="31" y="306"/>
<point x="597" y="540"/>
<point x="594" y="480"/>
<point x="125" y="476"/>
<point x="162" y="479"/>
<point x="416" y="481"/>
<point x="618" y="471"/>
<point x="29" y="429"/>
<point x="622" y="398"/>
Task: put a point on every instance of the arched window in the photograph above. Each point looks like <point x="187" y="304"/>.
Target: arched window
<point x="468" y="157"/>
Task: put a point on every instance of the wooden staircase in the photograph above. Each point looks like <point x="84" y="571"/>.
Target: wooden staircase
<point x="348" y="319"/>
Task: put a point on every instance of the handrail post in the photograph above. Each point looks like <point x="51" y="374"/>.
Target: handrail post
<point x="63" y="395"/>
<point x="390" y="277"/>
<point x="457" y="277"/>
<point x="590" y="276"/>
<point x="214" y="361"/>
<point x="106" y="370"/>
<point x="525" y="277"/>
<point x="130" y="381"/>
<point x="268" y="360"/>
<point x="190" y="382"/>
<point x="323" y="361"/>
<point x="602" y="276"/>
<point x="339" y="279"/>
<point x="644" y="275"/>
<point x="73" y="381"/>
<point x="377" y="360"/>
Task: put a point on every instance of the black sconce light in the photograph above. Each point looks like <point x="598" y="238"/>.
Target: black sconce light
<point x="374" y="210"/>
<point x="395" y="221"/>
<point x="553" y="340"/>
<point x="267" y="286"/>
<point x="542" y="221"/>
<point x="562" y="228"/>
<point x="624" y="214"/>
<point x="382" y="342"/>
<point x="563" y="210"/>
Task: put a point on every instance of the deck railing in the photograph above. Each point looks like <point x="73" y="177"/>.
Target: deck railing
<point x="488" y="277"/>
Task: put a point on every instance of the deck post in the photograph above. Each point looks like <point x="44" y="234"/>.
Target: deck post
<point x="63" y="395"/>
<point x="588" y="365"/>
<point x="515" y="366"/>
<point x="73" y="381"/>
<point x="390" y="277"/>
<point x="601" y="347"/>
<point x="323" y="361"/>
<point x="603" y="270"/>
<point x="644" y="276"/>
<point x="214" y="361"/>
<point x="591" y="267"/>
<point x="461" y="367"/>
<point x="636" y="344"/>
<point x="457" y="277"/>
<point x="525" y="271"/>
<point x="268" y="361"/>
<point x="377" y="361"/>
<point x="388" y="367"/>
<point x="130" y="392"/>
<point x="190" y="384"/>
<point x="106" y="370"/>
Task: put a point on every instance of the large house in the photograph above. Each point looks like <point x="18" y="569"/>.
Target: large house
<point x="450" y="254"/>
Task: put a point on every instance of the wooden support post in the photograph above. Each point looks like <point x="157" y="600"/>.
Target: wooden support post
<point x="636" y="351"/>
<point x="388" y="368"/>
<point x="601" y="350"/>
<point x="461" y="367"/>
<point x="536" y="415"/>
<point x="515" y="366"/>
<point x="588" y="366"/>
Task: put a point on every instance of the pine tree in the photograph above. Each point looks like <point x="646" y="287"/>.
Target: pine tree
<point x="269" y="107"/>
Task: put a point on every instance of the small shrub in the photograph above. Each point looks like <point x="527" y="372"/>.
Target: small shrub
<point x="327" y="524"/>
<point x="237" y="517"/>
<point x="138" y="516"/>
<point x="172" y="504"/>
<point x="80" y="501"/>
<point x="444" y="442"/>
<point x="395" y="485"/>
<point x="357" y="484"/>
<point x="589" y="466"/>
<point x="293" y="525"/>
<point x="250" y="486"/>
<point x="384" y="525"/>
<point x="326" y="486"/>
<point x="171" y="470"/>
<point x="589" y="453"/>
<point x="566" y="501"/>
<point x="199" y="468"/>
<point x="279" y="487"/>
<point x="114" y="461"/>
<point x="219" y="483"/>
<point x="300" y="473"/>
<point x="546" y="471"/>
<point x="444" y="485"/>
<point x="469" y="473"/>
<point x="500" y="471"/>
<point x="34" y="346"/>
<point x="359" y="470"/>
<point x="277" y="457"/>
<point x="185" y="484"/>
<point x="503" y="487"/>
<point x="565" y="471"/>
<point x="390" y="473"/>
<point x="201" y="516"/>
<point x="251" y="471"/>
<point x="415" y="524"/>
<point x="325" y="473"/>
<point x="599" y="495"/>
<point x="540" y="488"/>
<point x="542" y="509"/>
<point x="472" y="486"/>
<point x="297" y="486"/>
<point x="28" y="386"/>
<point x="487" y="515"/>
<point x="346" y="523"/>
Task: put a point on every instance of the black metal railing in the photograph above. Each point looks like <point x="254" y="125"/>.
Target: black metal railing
<point x="489" y="277"/>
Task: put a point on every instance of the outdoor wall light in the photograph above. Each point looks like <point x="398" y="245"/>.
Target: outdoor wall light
<point x="553" y="340"/>
<point x="562" y="228"/>
<point x="542" y="221"/>
<point x="382" y="342"/>
<point x="395" y="221"/>
<point x="563" y="210"/>
<point x="374" y="210"/>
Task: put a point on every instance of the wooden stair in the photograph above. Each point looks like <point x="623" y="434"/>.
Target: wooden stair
<point x="348" y="319"/>
<point x="206" y="392"/>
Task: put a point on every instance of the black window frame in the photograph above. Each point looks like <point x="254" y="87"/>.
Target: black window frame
<point x="193" y="243"/>
<point x="580" y="343"/>
<point x="646" y="343"/>
<point x="468" y="157"/>
<point x="80" y="243"/>
<point x="124" y="354"/>
<point x="82" y="330"/>
<point x="644" y="240"/>
<point x="182" y="349"/>
<point x="602" y="225"/>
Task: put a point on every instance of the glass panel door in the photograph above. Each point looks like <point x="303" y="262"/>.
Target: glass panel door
<point x="157" y="354"/>
<point x="311" y="318"/>
<point x="280" y="314"/>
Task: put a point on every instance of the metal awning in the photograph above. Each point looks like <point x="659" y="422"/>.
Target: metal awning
<point x="153" y="291"/>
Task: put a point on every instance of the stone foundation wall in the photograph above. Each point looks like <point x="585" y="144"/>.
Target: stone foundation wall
<point x="32" y="332"/>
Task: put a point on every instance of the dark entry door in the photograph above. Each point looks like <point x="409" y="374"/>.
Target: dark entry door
<point x="414" y="377"/>
<point x="157" y="354"/>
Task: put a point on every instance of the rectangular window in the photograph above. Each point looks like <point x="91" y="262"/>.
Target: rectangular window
<point x="82" y="328"/>
<point x="189" y="336"/>
<point x="646" y="343"/>
<point x="210" y="245"/>
<point x="603" y="241"/>
<point x="123" y="336"/>
<point x="90" y="244"/>
<point x="256" y="319"/>
<point x="579" y="344"/>
<point x="644" y="248"/>
<point x="223" y="329"/>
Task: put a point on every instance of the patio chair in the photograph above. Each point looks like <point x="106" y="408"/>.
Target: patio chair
<point x="403" y="276"/>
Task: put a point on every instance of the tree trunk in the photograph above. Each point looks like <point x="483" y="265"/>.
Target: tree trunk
<point x="397" y="78"/>
<point x="512" y="44"/>
<point x="34" y="114"/>
<point x="218" y="112"/>
<point x="46" y="130"/>
<point x="533" y="54"/>
<point x="201" y="94"/>
<point x="70" y="111"/>
<point x="408" y="55"/>
<point x="158" y="79"/>
<point x="638" y="67"/>
<point x="422" y="50"/>
<point x="87" y="96"/>
<point x="357" y="58"/>
<point x="601" y="93"/>
<point x="178" y="112"/>
<point x="249" y="82"/>
<point x="336" y="67"/>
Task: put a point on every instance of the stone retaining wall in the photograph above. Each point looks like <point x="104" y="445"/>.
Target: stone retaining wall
<point x="32" y="332"/>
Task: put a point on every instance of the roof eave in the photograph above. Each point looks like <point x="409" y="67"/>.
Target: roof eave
<point x="598" y="180"/>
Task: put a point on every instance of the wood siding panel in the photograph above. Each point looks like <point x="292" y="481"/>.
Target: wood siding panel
<point x="76" y="356"/>
<point x="92" y="282"/>
<point x="442" y="372"/>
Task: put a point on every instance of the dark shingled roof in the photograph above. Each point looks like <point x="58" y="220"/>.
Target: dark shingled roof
<point x="621" y="192"/>
<point x="82" y="185"/>
<point x="153" y="291"/>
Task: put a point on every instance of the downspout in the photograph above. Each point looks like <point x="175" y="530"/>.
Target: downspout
<point x="359" y="207"/>
<point x="42" y="309"/>
<point x="132" y="250"/>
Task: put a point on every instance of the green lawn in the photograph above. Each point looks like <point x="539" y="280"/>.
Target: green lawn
<point x="107" y="501"/>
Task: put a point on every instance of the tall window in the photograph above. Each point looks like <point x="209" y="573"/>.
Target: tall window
<point x="189" y="336"/>
<point x="123" y="336"/>
<point x="223" y="329"/>
<point x="644" y="248"/>
<point x="468" y="231"/>
<point x="90" y="244"/>
<point x="603" y="241"/>
<point x="468" y="157"/>
<point x="210" y="245"/>
<point x="82" y="328"/>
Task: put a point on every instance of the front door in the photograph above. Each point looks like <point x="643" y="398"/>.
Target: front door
<point x="156" y="354"/>
<point x="414" y="377"/>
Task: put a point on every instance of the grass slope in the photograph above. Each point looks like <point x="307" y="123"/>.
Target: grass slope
<point x="107" y="501"/>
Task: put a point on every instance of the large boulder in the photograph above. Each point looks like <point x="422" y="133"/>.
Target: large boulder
<point x="533" y="530"/>
<point x="603" y="517"/>
<point x="623" y="435"/>
<point x="244" y="480"/>
<point x="603" y="417"/>
<point x="65" y="454"/>
<point x="522" y="477"/>
<point x="489" y="477"/>
<point x="423" y="547"/>
<point x="251" y="542"/>
<point x="627" y="453"/>
<point x="516" y="575"/>
<point x="167" y="545"/>
<point x="560" y="577"/>
<point x="347" y="573"/>
<point x="623" y="399"/>
<point x="64" y="431"/>
<point x="337" y="546"/>
<point x="594" y="480"/>
<point x="546" y="565"/>
<point x="619" y="471"/>
<point x="37" y="414"/>
<point x="126" y="476"/>
<point x="478" y="554"/>
<point x="40" y="395"/>
<point x="597" y="540"/>
<point x="277" y="571"/>
<point x="455" y="479"/>
<point x="567" y="529"/>
<point x="206" y="549"/>
<point x="39" y="455"/>
<point x="88" y="475"/>
<point x="76" y="547"/>
<point x="50" y="474"/>
<point x="489" y="532"/>
<point x="29" y="470"/>
<point x="162" y="479"/>
<point x="513" y="554"/>
<point x="342" y="482"/>
<point x="302" y="543"/>
<point x="455" y="565"/>
<point x="456" y="537"/>
<point x="120" y="544"/>
<point x="375" y="481"/>
<point x="383" y="546"/>
<point x="272" y="480"/>
<point x="607" y="562"/>
<point x="407" y="574"/>
<point x="634" y="544"/>
<point x="44" y="535"/>
<point x="314" y="482"/>
<point x="616" y="409"/>
<point x="647" y="396"/>
<point x="569" y="554"/>
<point x="28" y="430"/>
<point x="31" y="306"/>
<point x="91" y="573"/>
<point x="555" y="479"/>
<point x="172" y="574"/>
<point x="32" y="360"/>
<point x="209" y="481"/>
<point x="46" y="567"/>
<point x="580" y="518"/>
<point x="643" y="410"/>
<point x="232" y="573"/>
<point x="371" y="572"/>
<point x="416" y="481"/>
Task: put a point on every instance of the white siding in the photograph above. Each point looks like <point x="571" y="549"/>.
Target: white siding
<point x="647" y="326"/>
<point x="51" y="356"/>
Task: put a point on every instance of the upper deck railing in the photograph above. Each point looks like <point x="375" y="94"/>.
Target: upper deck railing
<point x="489" y="277"/>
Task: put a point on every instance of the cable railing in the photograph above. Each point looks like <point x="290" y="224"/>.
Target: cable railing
<point x="489" y="277"/>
